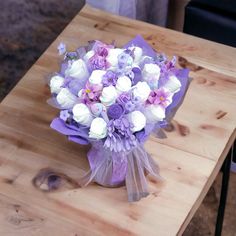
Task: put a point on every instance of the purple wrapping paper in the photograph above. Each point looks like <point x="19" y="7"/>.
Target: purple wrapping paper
<point x="112" y="169"/>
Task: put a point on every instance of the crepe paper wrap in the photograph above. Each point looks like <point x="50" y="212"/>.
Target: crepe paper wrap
<point x="114" y="99"/>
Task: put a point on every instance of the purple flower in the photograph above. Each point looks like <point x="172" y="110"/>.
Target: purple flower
<point x="115" y="111"/>
<point x="160" y="97"/>
<point x="120" y="137"/>
<point x="167" y="69"/>
<point x="124" y="60"/>
<point x="109" y="78"/>
<point x="101" y="49"/>
<point x="124" y="98"/>
<point x="91" y="93"/>
<point x="97" y="62"/>
<point x="64" y="115"/>
<point x="61" y="48"/>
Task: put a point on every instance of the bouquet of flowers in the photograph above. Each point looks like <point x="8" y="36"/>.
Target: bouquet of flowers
<point x="114" y="98"/>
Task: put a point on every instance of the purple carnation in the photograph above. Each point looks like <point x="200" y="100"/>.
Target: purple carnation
<point x="109" y="78"/>
<point x="120" y="137"/>
<point x="97" y="62"/>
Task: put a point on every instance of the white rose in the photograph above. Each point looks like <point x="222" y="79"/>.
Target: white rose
<point x="98" y="129"/>
<point x="55" y="84"/>
<point x="123" y="84"/>
<point x="173" y="84"/>
<point x="138" y="120"/>
<point x="112" y="57"/>
<point x="138" y="52"/>
<point x="77" y="69"/>
<point x="151" y="74"/>
<point x="66" y="99"/>
<point x="154" y="113"/>
<point x="109" y="95"/>
<point x="142" y="90"/>
<point x="96" y="76"/>
<point x="88" y="55"/>
<point x="82" y="114"/>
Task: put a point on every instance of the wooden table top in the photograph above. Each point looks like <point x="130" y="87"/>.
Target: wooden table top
<point x="190" y="158"/>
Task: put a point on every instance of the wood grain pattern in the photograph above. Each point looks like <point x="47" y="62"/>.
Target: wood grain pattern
<point x="190" y="158"/>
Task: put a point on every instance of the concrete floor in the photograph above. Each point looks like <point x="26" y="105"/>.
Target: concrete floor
<point x="27" y="28"/>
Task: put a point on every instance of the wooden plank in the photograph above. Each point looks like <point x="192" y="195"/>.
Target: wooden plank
<point x="204" y="129"/>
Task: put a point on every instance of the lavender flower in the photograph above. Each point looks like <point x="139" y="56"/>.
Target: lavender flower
<point x="64" y="115"/>
<point x="109" y="78"/>
<point x="129" y="102"/>
<point x="124" y="60"/>
<point x="167" y="69"/>
<point x="160" y="97"/>
<point x="61" y="48"/>
<point x="91" y="93"/>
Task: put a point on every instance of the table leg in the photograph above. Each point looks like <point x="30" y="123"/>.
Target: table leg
<point x="224" y="190"/>
<point x="234" y="152"/>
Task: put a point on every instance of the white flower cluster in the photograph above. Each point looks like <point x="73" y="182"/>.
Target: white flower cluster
<point x="93" y="112"/>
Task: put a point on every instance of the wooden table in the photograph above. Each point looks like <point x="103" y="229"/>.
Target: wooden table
<point x="190" y="158"/>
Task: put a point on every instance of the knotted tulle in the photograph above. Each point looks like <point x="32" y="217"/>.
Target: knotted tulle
<point x="112" y="169"/>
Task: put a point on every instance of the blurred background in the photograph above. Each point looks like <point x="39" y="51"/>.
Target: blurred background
<point x="28" y="27"/>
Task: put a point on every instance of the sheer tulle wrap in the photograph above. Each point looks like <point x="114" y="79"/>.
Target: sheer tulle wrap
<point x="113" y="169"/>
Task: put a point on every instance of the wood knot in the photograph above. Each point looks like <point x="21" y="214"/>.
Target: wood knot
<point x="183" y="130"/>
<point x="169" y="128"/>
<point x="8" y="181"/>
<point x="17" y="219"/>
<point x="184" y="63"/>
<point x="149" y="37"/>
<point x="201" y="80"/>
<point x="207" y="127"/>
<point x="49" y="180"/>
<point x="220" y="114"/>
<point x="101" y="26"/>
